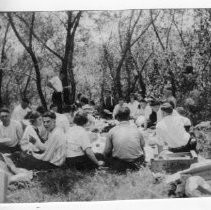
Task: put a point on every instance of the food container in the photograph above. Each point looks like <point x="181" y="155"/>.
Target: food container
<point x="174" y="162"/>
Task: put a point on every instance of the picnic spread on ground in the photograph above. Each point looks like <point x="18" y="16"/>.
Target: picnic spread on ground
<point x="142" y="133"/>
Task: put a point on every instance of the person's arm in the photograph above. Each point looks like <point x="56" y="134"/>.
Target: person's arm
<point x="160" y="135"/>
<point x="86" y="147"/>
<point x="91" y="156"/>
<point x="142" y="142"/>
<point x="19" y="132"/>
<point x="108" y="147"/>
<point x="39" y="144"/>
<point x="145" y="124"/>
<point x="115" y="111"/>
<point x="4" y="141"/>
<point x="49" y="84"/>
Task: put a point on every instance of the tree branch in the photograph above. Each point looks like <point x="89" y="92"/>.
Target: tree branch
<point x="39" y="39"/>
<point x="144" y="31"/>
<point x="156" y="32"/>
<point x="16" y="32"/>
<point x="31" y="30"/>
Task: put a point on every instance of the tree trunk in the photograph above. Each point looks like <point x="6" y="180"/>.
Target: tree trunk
<point x="38" y="79"/>
<point x="3" y="58"/>
<point x="67" y="73"/>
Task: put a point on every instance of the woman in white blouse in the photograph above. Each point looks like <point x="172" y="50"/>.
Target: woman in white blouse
<point x="31" y="134"/>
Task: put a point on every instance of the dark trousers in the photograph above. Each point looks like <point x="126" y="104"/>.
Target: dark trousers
<point x="57" y="100"/>
<point x="191" y="145"/>
<point x="82" y="163"/>
<point x="6" y="149"/>
<point x="119" y="165"/>
<point x="27" y="161"/>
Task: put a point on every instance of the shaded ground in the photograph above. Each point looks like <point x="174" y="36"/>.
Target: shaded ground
<point x="66" y="185"/>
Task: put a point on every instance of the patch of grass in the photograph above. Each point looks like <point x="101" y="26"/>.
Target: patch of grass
<point x="66" y="185"/>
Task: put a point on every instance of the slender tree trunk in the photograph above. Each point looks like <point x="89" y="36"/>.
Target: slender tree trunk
<point x="3" y="58"/>
<point x="67" y="73"/>
<point x="32" y="55"/>
<point x="38" y="79"/>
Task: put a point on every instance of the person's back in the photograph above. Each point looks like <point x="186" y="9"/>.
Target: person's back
<point x="62" y="122"/>
<point x="77" y="141"/>
<point x="171" y="130"/>
<point x="124" y="144"/>
<point x="126" y="141"/>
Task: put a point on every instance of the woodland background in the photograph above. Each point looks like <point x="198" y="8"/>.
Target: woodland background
<point x="124" y="51"/>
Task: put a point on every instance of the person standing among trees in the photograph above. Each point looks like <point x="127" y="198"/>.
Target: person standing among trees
<point x="120" y="105"/>
<point x="55" y="83"/>
<point x="133" y="106"/>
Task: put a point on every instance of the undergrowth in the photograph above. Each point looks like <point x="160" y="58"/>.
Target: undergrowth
<point x="66" y="185"/>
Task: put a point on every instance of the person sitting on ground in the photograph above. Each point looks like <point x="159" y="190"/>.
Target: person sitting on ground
<point x="151" y="121"/>
<point x="120" y="105"/>
<point x="32" y="132"/>
<point x="10" y="132"/>
<point x="79" y="151"/>
<point x="69" y="111"/>
<point x="124" y="144"/>
<point x="89" y="111"/>
<point x="42" y="131"/>
<point x="108" y="105"/>
<point x="143" y="112"/>
<point x="170" y="130"/>
<point x="52" y="153"/>
<point x="94" y="108"/>
<point x="86" y="107"/>
<point x="133" y="106"/>
<point x="21" y="110"/>
<point x="41" y="110"/>
<point x="78" y="100"/>
<point x="61" y="119"/>
<point x="182" y="113"/>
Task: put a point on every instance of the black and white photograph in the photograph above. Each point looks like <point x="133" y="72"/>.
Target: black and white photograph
<point x="105" y="105"/>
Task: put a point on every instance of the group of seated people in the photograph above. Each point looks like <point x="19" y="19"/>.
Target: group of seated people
<point x="45" y="139"/>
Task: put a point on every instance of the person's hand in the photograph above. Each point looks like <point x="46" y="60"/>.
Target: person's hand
<point x="107" y="111"/>
<point x="29" y="151"/>
<point x="101" y="164"/>
<point x="32" y="140"/>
